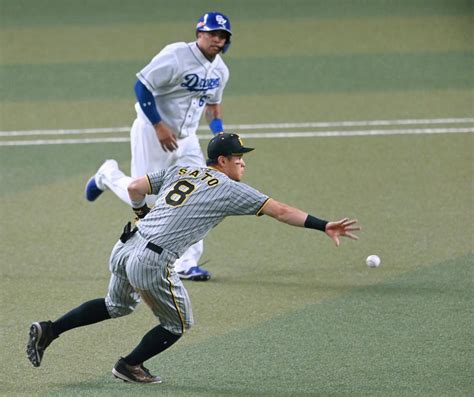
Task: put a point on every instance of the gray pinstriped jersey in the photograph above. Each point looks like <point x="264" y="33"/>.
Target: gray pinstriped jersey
<point x="190" y="202"/>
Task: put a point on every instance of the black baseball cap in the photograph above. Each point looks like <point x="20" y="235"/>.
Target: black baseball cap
<point x="224" y="144"/>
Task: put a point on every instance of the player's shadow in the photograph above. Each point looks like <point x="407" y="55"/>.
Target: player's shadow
<point x="384" y="288"/>
<point x="107" y="385"/>
<point x="282" y="283"/>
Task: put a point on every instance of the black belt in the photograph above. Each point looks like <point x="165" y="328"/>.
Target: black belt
<point x="154" y="247"/>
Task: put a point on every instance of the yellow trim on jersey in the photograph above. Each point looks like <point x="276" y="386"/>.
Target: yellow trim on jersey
<point x="259" y="212"/>
<point x="168" y="277"/>
<point x="149" y="184"/>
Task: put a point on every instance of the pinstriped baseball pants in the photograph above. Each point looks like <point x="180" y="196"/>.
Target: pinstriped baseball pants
<point x="137" y="273"/>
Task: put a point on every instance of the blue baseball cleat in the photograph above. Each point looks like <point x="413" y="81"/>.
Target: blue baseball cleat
<point x="92" y="191"/>
<point x="95" y="185"/>
<point x="195" y="273"/>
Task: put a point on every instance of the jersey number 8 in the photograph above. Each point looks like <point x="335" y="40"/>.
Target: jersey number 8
<point x="180" y="192"/>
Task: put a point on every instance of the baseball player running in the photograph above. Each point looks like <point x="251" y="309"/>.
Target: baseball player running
<point x="172" y="92"/>
<point x="191" y="200"/>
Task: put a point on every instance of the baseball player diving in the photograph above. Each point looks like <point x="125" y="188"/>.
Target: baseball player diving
<point x="180" y="83"/>
<point x="190" y="201"/>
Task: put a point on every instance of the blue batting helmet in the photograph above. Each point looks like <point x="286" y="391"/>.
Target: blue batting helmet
<point x="215" y="21"/>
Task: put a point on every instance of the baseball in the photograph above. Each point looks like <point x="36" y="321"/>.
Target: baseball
<point x="373" y="261"/>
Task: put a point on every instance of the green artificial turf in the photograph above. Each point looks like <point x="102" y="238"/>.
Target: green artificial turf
<point x="285" y="313"/>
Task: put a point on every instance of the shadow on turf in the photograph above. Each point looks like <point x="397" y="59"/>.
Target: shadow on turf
<point x="300" y="283"/>
<point x="107" y="385"/>
<point x="435" y="287"/>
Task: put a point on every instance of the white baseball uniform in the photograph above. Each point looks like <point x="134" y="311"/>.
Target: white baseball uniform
<point x="183" y="81"/>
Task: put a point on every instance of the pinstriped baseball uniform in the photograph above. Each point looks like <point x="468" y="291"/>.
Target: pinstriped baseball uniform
<point x="190" y="202"/>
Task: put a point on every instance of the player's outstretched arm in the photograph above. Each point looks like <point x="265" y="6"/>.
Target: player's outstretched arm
<point x="284" y="213"/>
<point x="295" y="217"/>
<point x="138" y="188"/>
<point x="344" y="228"/>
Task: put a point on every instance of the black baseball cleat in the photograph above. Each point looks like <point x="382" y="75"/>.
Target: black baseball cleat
<point x="40" y="337"/>
<point x="133" y="373"/>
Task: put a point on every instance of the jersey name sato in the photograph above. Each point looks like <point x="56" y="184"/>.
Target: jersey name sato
<point x="199" y="174"/>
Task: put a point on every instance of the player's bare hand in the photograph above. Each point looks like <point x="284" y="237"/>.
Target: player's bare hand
<point x="343" y="228"/>
<point x="166" y="137"/>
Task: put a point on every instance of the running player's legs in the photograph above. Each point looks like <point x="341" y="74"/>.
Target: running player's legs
<point x="190" y="154"/>
<point x="190" y="257"/>
<point x="112" y="178"/>
<point x="147" y="155"/>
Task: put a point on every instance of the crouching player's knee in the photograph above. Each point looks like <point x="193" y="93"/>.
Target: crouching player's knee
<point x="178" y="329"/>
<point x="116" y="309"/>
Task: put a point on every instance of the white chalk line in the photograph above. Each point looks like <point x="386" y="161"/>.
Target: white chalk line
<point x="262" y="135"/>
<point x="240" y="127"/>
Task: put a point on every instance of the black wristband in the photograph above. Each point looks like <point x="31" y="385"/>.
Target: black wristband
<point x="142" y="211"/>
<point x="312" y="222"/>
